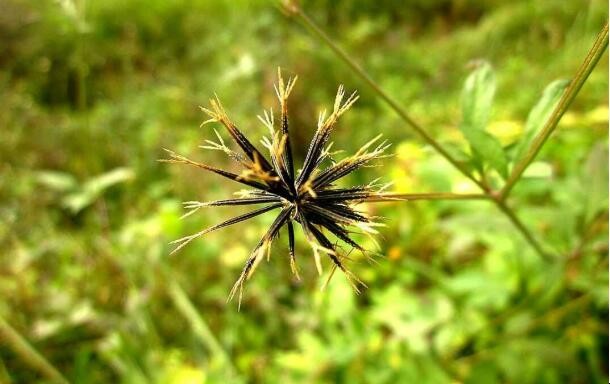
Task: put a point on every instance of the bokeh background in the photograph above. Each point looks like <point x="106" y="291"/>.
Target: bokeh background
<point x="90" y="93"/>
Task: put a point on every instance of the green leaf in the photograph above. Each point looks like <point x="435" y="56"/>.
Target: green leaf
<point x="94" y="187"/>
<point x="488" y="148"/>
<point x="477" y="99"/>
<point x="539" y="115"/>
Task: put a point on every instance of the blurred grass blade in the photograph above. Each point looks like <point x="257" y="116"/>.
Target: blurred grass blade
<point x="539" y="115"/>
<point x="198" y="324"/>
<point x="93" y="188"/>
<point x="27" y="354"/>
<point x="108" y="179"/>
<point x="5" y="378"/>
<point x="57" y="181"/>
<point x="477" y="99"/>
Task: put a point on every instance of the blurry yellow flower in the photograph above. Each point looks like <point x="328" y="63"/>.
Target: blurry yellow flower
<point x="186" y="375"/>
<point x="394" y="253"/>
<point x="507" y="131"/>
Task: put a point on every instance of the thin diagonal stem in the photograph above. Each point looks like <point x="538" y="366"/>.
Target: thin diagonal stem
<point x="392" y="197"/>
<point x="12" y="339"/>
<point x="200" y="328"/>
<point x="309" y="23"/>
<point x="527" y="235"/>
<point x="585" y="69"/>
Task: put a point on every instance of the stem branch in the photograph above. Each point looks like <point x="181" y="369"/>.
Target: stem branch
<point x="27" y="353"/>
<point x="585" y="69"/>
<point x="391" y="196"/>
<point x="527" y="235"/>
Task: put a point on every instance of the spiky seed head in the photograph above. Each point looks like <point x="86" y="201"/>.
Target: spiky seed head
<point x="309" y="198"/>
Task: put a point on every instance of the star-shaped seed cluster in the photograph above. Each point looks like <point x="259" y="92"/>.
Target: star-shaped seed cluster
<point x="308" y="197"/>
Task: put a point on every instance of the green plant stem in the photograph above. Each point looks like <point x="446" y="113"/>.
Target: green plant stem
<point x="391" y="196"/>
<point x="309" y="23"/>
<point x="527" y="235"/>
<point x="510" y="214"/>
<point x="198" y="324"/>
<point x="585" y="69"/>
<point x="27" y="353"/>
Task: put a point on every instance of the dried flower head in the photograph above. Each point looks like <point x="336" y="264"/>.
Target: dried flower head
<point x="308" y="196"/>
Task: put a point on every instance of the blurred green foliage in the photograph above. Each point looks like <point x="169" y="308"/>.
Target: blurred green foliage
<point x="91" y="91"/>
